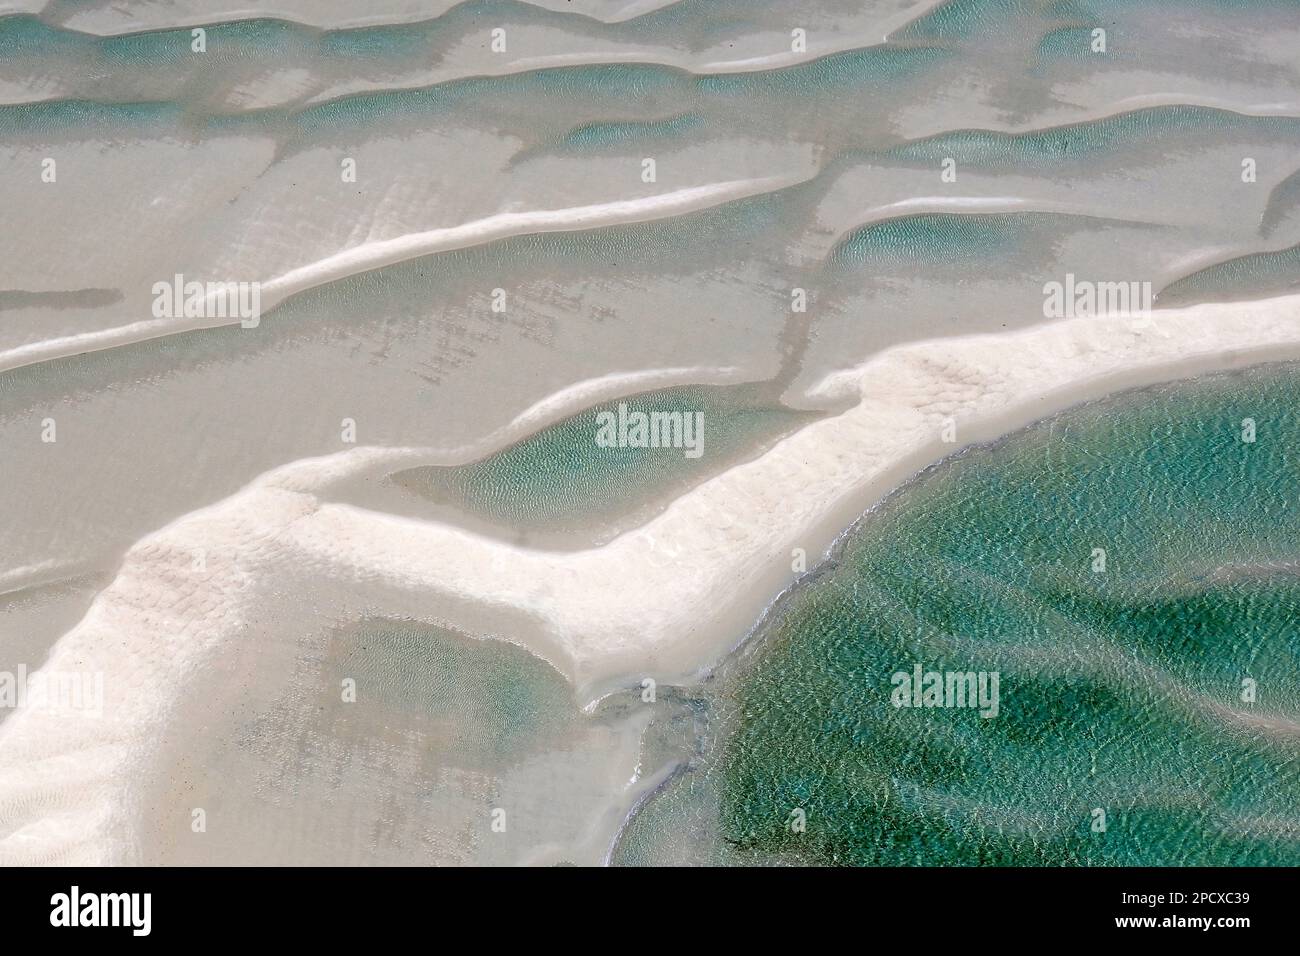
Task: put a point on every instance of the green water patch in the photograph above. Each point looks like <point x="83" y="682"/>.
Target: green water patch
<point x="957" y="240"/>
<point x="843" y="72"/>
<point x="614" y="135"/>
<point x="1127" y="569"/>
<point x="611" y="87"/>
<point x="1047" y="149"/>
<point x="396" y="742"/>
<point x="1258" y="275"/>
<point x="58" y="117"/>
<point x="965" y="19"/>
<point x="1078" y="43"/>
<point x="596" y="466"/>
<point x="488" y="702"/>
<point x="599" y="87"/>
<point x="932" y="238"/>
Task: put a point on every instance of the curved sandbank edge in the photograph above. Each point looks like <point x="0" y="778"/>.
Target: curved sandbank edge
<point x="665" y="600"/>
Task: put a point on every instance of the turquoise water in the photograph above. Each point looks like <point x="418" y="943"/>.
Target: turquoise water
<point x="964" y="19"/>
<point x="942" y="241"/>
<point x="936" y="238"/>
<point x="1167" y="127"/>
<point x="562" y="477"/>
<point x="595" y="136"/>
<point x="1255" y="276"/>
<point x="485" y="702"/>
<point x="1121" y="684"/>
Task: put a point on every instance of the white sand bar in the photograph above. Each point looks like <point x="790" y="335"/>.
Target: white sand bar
<point x="664" y="599"/>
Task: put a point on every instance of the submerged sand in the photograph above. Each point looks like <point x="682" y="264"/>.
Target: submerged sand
<point x="664" y="600"/>
<point x="203" y="537"/>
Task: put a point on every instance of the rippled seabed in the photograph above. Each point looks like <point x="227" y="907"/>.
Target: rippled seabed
<point x="448" y="728"/>
<point x="560" y="479"/>
<point x="817" y="170"/>
<point x="1120" y="690"/>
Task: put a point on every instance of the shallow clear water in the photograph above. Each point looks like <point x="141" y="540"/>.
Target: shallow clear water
<point x="1121" y="689"/>
<point x="562" y="477"/>
<point x="290" y="148"/>
<point x="407" y="742"/>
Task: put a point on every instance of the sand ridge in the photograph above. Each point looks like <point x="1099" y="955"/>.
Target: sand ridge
<point x="665" y="599"/>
